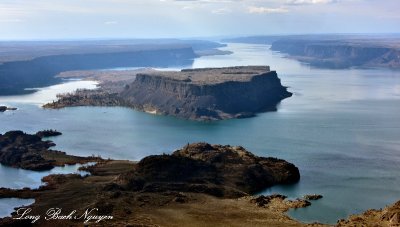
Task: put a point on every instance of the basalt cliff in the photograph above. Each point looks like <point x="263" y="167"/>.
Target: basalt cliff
<point x="16" y="76"/>
<point x="196" y="94"/>
<point x="332" y="51"/>
<point x="338" y="54"/>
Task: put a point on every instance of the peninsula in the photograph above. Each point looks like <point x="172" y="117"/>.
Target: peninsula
<point x="26" y="65"/>
<point x="183" y="184"/>
<point x="176" y="189"/>
<point x="25" y="151"/>
<point x="196" y="94"/>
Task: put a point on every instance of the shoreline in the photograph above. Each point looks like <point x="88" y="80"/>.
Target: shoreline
<point x="140" y="193"/>
<point x="115" y="181"/>
<point x="44" y="95"/>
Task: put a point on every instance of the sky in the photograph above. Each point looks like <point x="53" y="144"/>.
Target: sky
<point x="101" y="19"/>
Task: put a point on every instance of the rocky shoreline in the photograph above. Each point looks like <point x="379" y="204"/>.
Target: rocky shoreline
<point x="25" y="151"/>
<point x="166" y="190"/>
<point x="195" y="94"/>
<point x="189" y="179"/>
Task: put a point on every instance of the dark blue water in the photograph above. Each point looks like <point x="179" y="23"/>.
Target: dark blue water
<point x="341" y="128"/>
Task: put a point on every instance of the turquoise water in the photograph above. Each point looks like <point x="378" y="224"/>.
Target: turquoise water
<point x="341" y="128"/>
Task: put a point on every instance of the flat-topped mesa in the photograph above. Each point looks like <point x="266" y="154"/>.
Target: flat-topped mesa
<point x="207" y="94"/>
<point x="210" y="76"/>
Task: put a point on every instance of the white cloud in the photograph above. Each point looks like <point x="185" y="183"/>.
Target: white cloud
<point x="306" y="2"/>
<point x="221" y="11"/>
<point x="188" y="7"/>
<point x="266" y="10"/>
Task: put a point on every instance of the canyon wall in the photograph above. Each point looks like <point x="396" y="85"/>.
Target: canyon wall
<point x="339" y="54"/>
<point x="18" y="75"/>
<point x="208" y="101"/>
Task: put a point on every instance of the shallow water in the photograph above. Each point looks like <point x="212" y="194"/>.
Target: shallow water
<point x="48" y="94"/>
<point x="341" y="128"/>
<point x="32" y="179"/>
<point x="19" y="178"/>
<point x="7" y="205"/>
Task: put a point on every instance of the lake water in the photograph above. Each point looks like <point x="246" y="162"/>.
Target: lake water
<point x="7" y="205"/>
<point x="19" y="178"/>
<point x="32" y="179"/>
<point x="341" y="128"/>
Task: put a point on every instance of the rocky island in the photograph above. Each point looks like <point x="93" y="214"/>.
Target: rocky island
<point x="196" y="94"/>
<point x="5" y="108"/>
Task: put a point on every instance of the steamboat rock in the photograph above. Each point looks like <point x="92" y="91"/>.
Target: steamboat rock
<point x="208" y="93"/>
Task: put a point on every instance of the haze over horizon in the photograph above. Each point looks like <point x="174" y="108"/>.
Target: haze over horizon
<point x="120" y="19"/>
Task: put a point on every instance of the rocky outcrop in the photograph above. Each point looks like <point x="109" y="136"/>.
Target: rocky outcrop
<point x="389" y="216"/>
<point x="207" y="94"/>
<point x="4" y="108"/>
<point x="18" y="149"/>
<point x="48" y="133"/>
<point x="141" y="208"/>
<point x="198" y="176"/>
<point x="85" y="97"/>
<point x="313" y="197"/>
<point x="263" y="201"/>
<point x="222" y="171"/>
<point x="340" y="53"/>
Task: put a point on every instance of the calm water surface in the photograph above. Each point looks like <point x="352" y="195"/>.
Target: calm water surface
<point x="7" y="205"/>
<point x="32" y="179"/>
<point x="341" y="128"/>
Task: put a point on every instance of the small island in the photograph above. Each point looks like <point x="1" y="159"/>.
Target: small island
<point x="4" y="108"/>
<point x="195" y="94"/>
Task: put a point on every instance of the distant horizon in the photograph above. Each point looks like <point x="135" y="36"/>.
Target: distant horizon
<point x="205" y="38"/>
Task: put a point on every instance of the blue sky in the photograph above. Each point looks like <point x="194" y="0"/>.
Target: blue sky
<point x="76" y="19"/>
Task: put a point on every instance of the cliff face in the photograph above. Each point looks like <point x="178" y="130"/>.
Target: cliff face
<point x="15" y="76"/>
<point x="339" y="54"/>
<point x="193" y="98"/>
